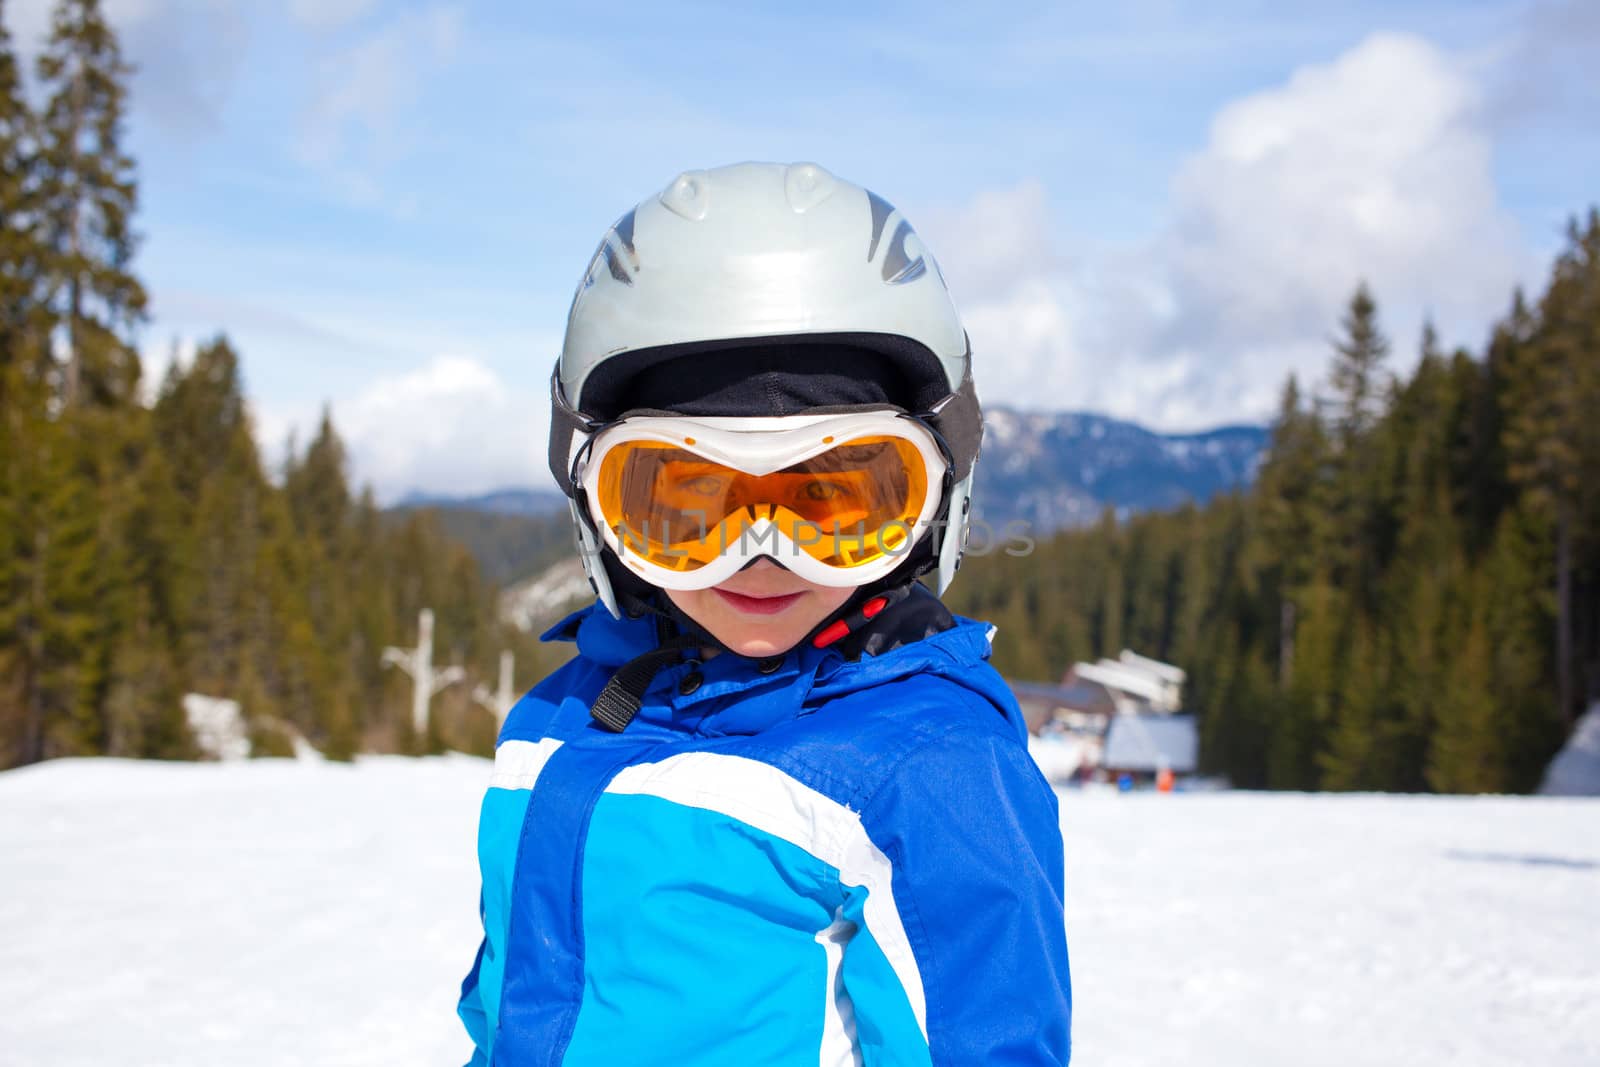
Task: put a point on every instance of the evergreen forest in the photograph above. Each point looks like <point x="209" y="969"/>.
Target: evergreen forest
<point x="1407" y="598"/>
<point x="145" y="550"/>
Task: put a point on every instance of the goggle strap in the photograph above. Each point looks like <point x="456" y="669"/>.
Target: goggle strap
<point x="623" y="695"/>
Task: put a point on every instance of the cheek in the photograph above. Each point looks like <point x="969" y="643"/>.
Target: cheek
<point x="827" y="600"/>
<point x="692" y="602"/>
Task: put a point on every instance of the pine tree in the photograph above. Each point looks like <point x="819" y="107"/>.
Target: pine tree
<point x="1467" y="750"/>
<point x="1111" y="607"/>
<point x="1198" y="585"/>
<point x="224" y="628"/>
<point x="22" y="399"/>
<point x="319" y="493"/>
<point x="1483" y="470"/>
<point x="1291" y="498"/>
<point x="88" y="194"/>
<point x="144" y="693"/>
<point x="1550" y="434"/>
<point x="1421" y="560"/>
<point x="146" y="683"/>
<point x="318" y="496"/>
<point x="67" y="198"/>
<point x="1518" y="617"/>
<point x="1306" y="710"/>
<point x="1359" y="389"/>
<point x="21" y="488"/>
<point x="1355" y="757"/>
<point x="60" y="619"/>
<point x="1357" y="375"/>
<point x="19" y="228"/>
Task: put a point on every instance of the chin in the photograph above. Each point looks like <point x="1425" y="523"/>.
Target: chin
<point x="759" y="639"/>
<point x="758" y="646"/>
<point x="758" y="636"/>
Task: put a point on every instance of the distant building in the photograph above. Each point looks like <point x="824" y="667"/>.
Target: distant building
<point x="1575" y="772"/>
<point x="1173" y="676"/>
<point x="1145" y="745"/>
<point x="1109" y="717"/>
<point x="1075" y="706"/>
<point x="1135" y="682"/>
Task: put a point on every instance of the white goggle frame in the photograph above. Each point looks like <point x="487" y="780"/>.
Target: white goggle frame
<point x="758" y="446"/>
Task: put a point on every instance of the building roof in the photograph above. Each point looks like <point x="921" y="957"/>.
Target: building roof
<point x="1075" y="695"/>
<point x="1129" y="680"/>
<point x="1165" y="671"/>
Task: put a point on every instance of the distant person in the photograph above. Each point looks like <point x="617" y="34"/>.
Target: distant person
<point x="778" y="808"/>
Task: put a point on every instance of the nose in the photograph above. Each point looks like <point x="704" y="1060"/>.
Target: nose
<point x="761" y="564"/>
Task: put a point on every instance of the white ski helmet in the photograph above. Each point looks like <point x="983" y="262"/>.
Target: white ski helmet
<point x="755" y="254"/>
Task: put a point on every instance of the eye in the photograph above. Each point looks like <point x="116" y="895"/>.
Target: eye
<point x="702" y="485"/>
<point x="819" y="490"/>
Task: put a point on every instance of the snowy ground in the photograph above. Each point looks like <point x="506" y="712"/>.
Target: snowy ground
<point x="277" y="913"/>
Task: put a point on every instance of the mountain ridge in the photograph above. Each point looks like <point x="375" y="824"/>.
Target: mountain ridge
<point x="1056" y="470"/>
<point x="1050" y="469"/>
<point x="1047" y="470"/>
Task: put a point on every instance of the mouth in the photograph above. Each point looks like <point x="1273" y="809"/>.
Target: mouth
<point x="758" y="605"/>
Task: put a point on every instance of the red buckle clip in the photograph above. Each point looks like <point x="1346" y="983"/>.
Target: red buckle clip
<point x="839" y="627"/>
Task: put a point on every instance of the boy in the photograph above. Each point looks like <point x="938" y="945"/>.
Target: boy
<point x="778" y="809"/>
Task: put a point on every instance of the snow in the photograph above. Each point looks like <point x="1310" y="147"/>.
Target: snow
<point x="1059" y="755"/>
<point x="1236" y="929"/>
<point x="535" y="602"/>
<point x="266" y="912"/>
<point x="217" y="726"/>
<point x="1575" y="772"/>
<point x="282" y="912"/>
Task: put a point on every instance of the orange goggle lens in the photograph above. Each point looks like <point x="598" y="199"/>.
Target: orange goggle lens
<point x="848" y="506"/>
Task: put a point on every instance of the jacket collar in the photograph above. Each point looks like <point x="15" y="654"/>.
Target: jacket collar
<point x="782" y="691"/>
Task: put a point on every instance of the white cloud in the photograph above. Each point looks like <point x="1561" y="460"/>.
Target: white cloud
<point x="1003" y="240"/>
<point x="328" y="14"/>
<point x="1374" y="166"/>
<point x="451" y="425"/>
<point x="1370" y="167"/>
<point x="185" y="54"/>
<point x="354" y="122"/>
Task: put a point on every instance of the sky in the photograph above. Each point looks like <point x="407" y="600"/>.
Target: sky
<point x="1147" y="209"/>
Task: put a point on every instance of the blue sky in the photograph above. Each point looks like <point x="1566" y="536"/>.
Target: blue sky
<point x="1149" y="209"/>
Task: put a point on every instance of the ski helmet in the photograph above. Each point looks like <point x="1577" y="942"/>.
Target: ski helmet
<point x="731" y="278"/>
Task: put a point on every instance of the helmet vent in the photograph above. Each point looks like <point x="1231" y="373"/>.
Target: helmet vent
<point x="688" y="195"/>
<point x="806" y="185"/>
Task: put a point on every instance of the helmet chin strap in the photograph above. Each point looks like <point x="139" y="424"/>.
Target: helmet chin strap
<point x="676" y="633"/>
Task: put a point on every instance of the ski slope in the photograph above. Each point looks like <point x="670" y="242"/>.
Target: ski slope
<point x="280" y="912"/>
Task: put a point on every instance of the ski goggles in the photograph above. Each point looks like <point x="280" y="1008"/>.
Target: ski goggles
<point x="686" y="503"/>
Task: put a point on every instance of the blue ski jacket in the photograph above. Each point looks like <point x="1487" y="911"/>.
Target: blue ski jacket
<point x="805" y="860"/>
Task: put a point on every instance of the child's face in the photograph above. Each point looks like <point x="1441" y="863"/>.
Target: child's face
<point x="762" y="610"/>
